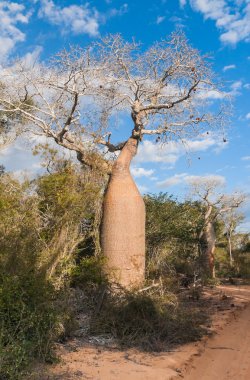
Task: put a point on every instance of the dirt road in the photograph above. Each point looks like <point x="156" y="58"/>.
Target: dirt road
<point x="226" y="355"/>
<point x="223" y="356"/>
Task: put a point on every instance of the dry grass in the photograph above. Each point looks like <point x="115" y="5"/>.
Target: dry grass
<point x="153" y="320"/>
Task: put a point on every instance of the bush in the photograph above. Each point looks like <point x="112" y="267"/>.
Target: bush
<point x="172" y="236"/>
<point x="28" y="323"/>
<point x="41" y="239"/>
<point x="89" y="271"/>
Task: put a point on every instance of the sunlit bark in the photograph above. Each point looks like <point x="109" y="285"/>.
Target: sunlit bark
<point x="123" y="225"/>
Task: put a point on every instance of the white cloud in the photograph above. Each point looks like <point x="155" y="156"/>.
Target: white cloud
<point x="171" y="151"/>
<point x="211" y="94"/>
<point x="30" y="173"/>
<point x="143" y="189"/>
<point x="11" y="14"/>
<point x="114" y="12"/>
<point x="213" y="9"/>
<point x="179" y="22"/>
<point x="245" y="158"/>
<point x="236" y="85"/>
<point x="182" y="3"/>
<point x="160" y="19"/>
<point x="229" y="67"/>
<point x="248" y="115"/>
<point x="150" y="152"/>
<point x="78" y="19"/>
<point x="172" y="181"/>
<point x="191" y="179"/>
<point x="218" y="180"/>
<point x="234" y="90"/>
<point x="232" y="18"/>
<point x="31" y="58"/>
<point x="18" y="157"/>
<point x="141" y="172"/>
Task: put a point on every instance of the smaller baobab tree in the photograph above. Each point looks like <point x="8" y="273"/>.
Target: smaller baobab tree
<point x="231" y="219"/>
<point x="160" y="93"/>
<point x="214" y="206"/>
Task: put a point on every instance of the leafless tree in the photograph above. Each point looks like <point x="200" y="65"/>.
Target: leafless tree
<point x="232" y="218"/>
<point x="163" y="91"/>
<point x="215" y="205"/>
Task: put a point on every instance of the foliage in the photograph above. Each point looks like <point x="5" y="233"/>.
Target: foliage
<point x="70" y="204"/>
<point x="241" y="255"/>
<point x="19" y="226"/>
<point x="173" y="234"/>
<point x="88" y="271"/>
<point x="172" y="230"/>
<point x="29" y="323"/>
<point x="27" y="318"/>
<point x="45" y="227"/>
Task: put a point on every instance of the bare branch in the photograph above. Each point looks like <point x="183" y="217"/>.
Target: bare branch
<point x="86" y="92"/>
<point x="69" y="119"/>
<point x="167" y="106"/>
<point x="111" y="147"/>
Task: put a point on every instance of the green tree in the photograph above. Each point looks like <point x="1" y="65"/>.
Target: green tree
<point x="172" y="235"/>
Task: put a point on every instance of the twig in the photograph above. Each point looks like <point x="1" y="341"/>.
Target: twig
<point x="148" y="287"/>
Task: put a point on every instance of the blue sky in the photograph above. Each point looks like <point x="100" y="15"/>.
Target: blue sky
<point x="40" y="28"/>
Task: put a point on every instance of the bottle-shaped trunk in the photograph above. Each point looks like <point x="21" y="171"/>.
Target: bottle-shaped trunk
<point x="123" y="224"/>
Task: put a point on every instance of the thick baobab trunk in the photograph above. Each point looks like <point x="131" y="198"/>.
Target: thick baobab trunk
<point x="208" y="240"/>
<point x="123" y="224"/>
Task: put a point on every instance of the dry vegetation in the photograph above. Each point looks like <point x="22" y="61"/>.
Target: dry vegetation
<point x="52" y="282"/>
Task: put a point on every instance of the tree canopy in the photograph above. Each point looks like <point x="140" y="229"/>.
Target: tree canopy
<point x="76" y="98"/>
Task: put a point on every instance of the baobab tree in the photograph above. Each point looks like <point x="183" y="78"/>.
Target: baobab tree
<point x="231" y="220"/>
<point x="215" y="205"/>
<point x="159" y="93"/>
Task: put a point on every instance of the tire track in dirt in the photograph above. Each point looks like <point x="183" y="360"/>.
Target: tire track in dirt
<point x="226" y="355"/>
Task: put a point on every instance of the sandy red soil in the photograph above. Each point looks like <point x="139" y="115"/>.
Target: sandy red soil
<point x="223" y="354"/>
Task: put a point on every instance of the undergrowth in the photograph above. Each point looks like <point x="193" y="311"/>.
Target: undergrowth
<point x="28" y="324"/>
<point x="151" y="319"/>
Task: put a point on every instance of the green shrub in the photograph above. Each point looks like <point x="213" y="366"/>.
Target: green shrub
<point x="172" y="230"/>
<point x="28" y="323"/>
<point x="89" y="271"/>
